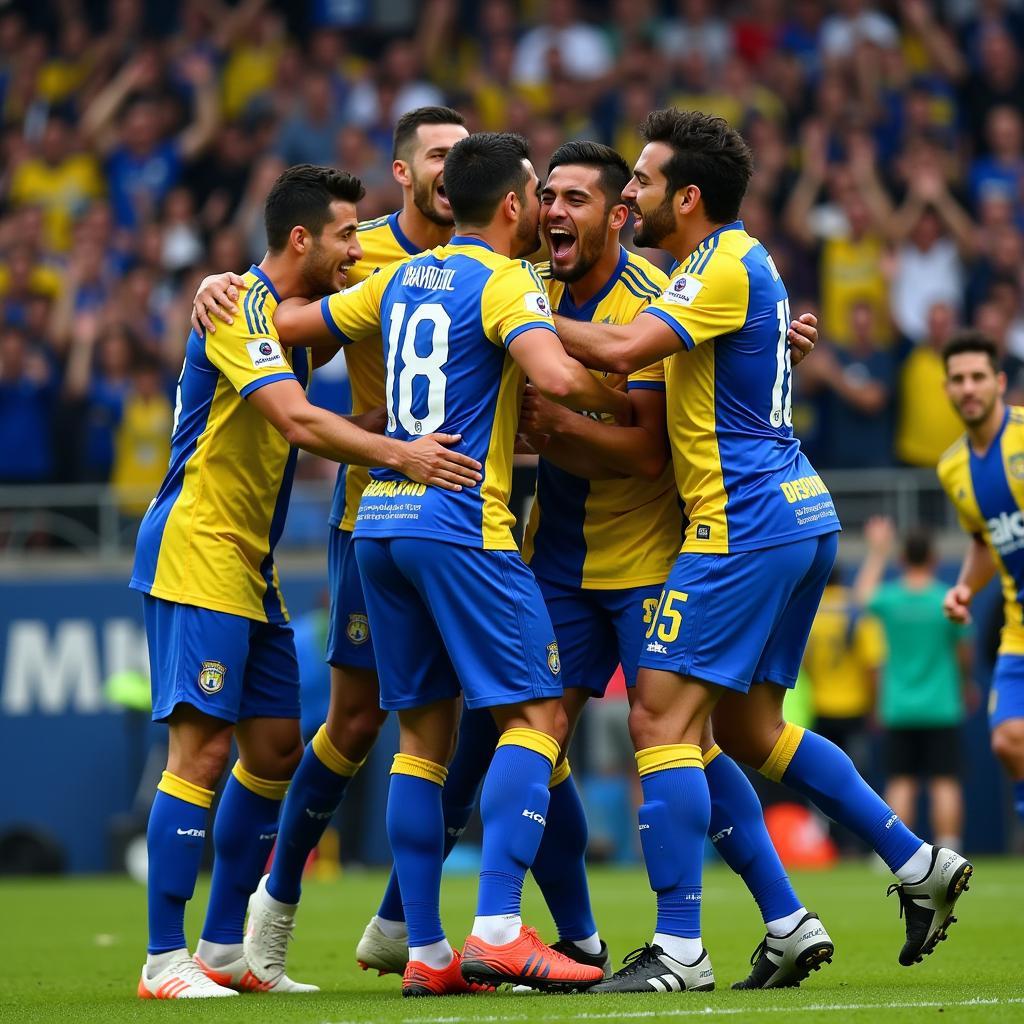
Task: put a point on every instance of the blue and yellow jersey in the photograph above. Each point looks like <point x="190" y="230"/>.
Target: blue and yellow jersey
<point x="988" y="493"/>
<point x="383" y="242"/>
<point x="208" y="537"/>
<point x="606" y="534"/>
<point x="744" y="481"/>
<point x="449" y="316"/>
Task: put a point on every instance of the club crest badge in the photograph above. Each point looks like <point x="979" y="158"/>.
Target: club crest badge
<point x="358" y="629"/>
<point x="1016" y="465"/>
<point x="211" y="677"/>
<point x="554" y="661"/>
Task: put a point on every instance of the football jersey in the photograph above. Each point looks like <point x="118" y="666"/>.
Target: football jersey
<point x="449" y="316"/>
<point x="606" y="534"/>
<point x="383" y="242"/>
<point x="988" y="493"/>
<point x="744" y="481"/>
<point x="208" y="537"/>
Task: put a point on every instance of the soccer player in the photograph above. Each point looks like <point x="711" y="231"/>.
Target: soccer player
<point x="603" y="533"/>
<point x="982" y="475"/>
<point x="463" y="324"/>
<point x="222" y="656"/>
<point x="422" y="140"/>
<point x="733" y="617"/>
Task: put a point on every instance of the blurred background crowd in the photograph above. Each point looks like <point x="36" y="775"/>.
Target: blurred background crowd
<point x="139" y="141"/>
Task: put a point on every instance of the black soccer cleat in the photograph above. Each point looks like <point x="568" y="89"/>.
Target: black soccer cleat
<point x="651" y="969"/>
<point x="785" y="962"/>
<point x="601" y="959"/>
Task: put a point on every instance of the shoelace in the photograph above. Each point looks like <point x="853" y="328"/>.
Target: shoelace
<point x="638" y="958"/>
<point x="897" y="887"/>
<point x="762" y="947"/>
<point x="279" y="932"/>
<point x="191" y="972"/>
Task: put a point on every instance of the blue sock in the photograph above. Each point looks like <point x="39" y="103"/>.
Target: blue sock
<point x="739" y="835"/>
<point x="244" y="832"/>
<point x="416" y="833"/>
<point x="513" y="806"/>
<point x="817" y="768"/>
<point x="673" y="824"/>
<point x="478" y="736"/>
<point x="1018" y="798"/>
<point x="174" y="840"/>
<point x="317" y="788"/>
<point x="559" y="867"/>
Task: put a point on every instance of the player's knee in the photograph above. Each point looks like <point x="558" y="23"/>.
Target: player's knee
<point x="642" y="726"/>
<point x="354" y="733"/>
<point x="748" y="742"/>
<point x="206" y="762"/>
<point x="1008" y="744"/>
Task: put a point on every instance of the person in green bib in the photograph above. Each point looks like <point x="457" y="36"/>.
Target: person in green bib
<point x="925" y="684"/>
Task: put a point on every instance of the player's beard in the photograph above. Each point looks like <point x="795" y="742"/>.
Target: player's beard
<point x="589" y="247"/>
<point x="656" y="225"/>
<point x="526" y="240"/>
<point x="319" y="271"/>
<point x="976" y="419"/>
<point x="423" y="195"/>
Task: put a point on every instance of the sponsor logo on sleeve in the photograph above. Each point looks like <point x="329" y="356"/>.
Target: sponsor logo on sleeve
<point x="537" y="302"/>
<point x="265" y="353"/>
<point x="683" y="290"/>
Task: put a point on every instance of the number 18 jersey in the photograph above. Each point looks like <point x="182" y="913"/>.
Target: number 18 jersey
<point x="744" y="481"/>
<point x="447" y="318"/>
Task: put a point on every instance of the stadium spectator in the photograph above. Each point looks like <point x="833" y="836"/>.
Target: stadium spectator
<point x="27" y="392"/>
<point x="580" y="49"/>
<point x="925" y="684"/>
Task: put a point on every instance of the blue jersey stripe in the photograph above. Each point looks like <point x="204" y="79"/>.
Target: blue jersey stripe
<point x="645" y="385"/>
<point x="264" y="381"/>
<point x="560" y="543"/>
<point x="325" y="310"/>
<point x="678" y="328"/>
<point x="641" y="280"/>
<point x="634" y="290"/>
<point x="541" y="324"/>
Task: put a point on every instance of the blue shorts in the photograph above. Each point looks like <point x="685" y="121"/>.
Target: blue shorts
<point x="224" y="665"/>
<point x="1006" y="698"/>
<point x="453" y="618"/>
<point x="348" y="626"/>
<point x="598" y="630"/>
<point x="742" y="618"/>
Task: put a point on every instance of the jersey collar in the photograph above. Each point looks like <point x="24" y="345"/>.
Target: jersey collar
<point x="996" y="441"/>
<point x="586" y="312"/>
<point x="468" y="240"/>
<point x="736" y="225"/>
<point x="266" y="280"/>
<point x="401" y="237"/>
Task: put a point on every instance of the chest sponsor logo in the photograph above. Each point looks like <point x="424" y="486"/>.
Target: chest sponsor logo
<point x="211" y="677"/>
<point x="1006" y="532"/>
<point x="265" y="353"/>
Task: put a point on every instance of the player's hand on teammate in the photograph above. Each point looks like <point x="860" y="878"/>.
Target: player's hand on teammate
<point x="374" y="421"/>
<point x="956" y="605"/>
<point x="216" y="299"/>
<point x="539" y="415"/>
<point x="429" y="460"/>
<point x="803" y="336"/>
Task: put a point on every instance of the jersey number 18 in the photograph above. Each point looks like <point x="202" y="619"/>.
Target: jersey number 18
<point x="430" y="366"/>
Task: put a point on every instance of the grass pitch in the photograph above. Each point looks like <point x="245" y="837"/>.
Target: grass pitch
<point x="73" y="950"/>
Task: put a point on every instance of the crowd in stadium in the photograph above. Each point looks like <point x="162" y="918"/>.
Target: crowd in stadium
<point x="889" y="185"/>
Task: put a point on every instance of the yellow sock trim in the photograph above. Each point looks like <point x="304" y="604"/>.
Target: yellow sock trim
<point x="420" y="767"/>
<point x="778" y="760"/>
<point x="330" y="757"/>
<point x="172" y="785"/>
<point x="271" y="789"/>
<point x="560" y="774"/>
<point x="711" y="754"/>
<point x="539" y="742"/>
<point x="669" y="755"/>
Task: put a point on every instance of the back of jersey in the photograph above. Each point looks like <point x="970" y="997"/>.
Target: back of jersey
<point x="447" y="318"/>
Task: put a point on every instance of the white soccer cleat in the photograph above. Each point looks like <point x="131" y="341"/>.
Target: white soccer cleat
<point x="928" y="904"/>
<point x="182" y="978"/>
<point x="265" y="946"/>
<point x="785" y="962"/>
<point x="238" y="976"/>
<point x="379" y="953"/>
<point x="651" y="969"/>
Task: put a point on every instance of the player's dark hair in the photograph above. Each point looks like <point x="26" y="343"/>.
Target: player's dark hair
<point x="303" y="195"/>
<point x="706" y="152"/>
<point x="405" y="129"/>
<point x="615" y="172"/>
<point x="918" y="548"/>
<point x="970" y="340"/>
<point x="480" y="170"/>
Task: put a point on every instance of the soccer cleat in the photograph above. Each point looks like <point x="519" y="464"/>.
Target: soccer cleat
<point x="651" y="969"/>
<point x="376" y="951"/>
<point x="265" y="946"/>
<point x="237" y="975"/>
<point x="928" y="904"/>
<point x="569" y="948"/>
<point x="421" y="980"/>
<point x="785" y="962"/>
<point x="182" y="978"/>
<point x="525" y="961"/>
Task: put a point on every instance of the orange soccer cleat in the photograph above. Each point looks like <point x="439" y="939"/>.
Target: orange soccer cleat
<point x="525" y="961"/>
<point x="421" y="980"/>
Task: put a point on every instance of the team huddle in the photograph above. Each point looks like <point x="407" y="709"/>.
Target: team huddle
<point x="678" y="531"/>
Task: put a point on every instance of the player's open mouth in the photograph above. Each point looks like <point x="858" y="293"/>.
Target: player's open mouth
<point x="442" y="197"/>
<point x="561" y="242"/>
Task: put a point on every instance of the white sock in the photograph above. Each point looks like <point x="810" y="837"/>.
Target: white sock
<point x="917" y="867"/>
<point x="497" y="929"/>
<point x="782" y="926"/>
<point x="591" y="944"/>
<point x="437" y="955"/>
<point x="156" y="962"/>
<point x="686" y="951"/>
<point x="286" y="909"/>
<point x="392" y="929"/>
<point x="218" y="954"/>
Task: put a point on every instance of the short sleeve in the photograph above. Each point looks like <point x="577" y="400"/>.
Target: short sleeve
<point x="705" y="305"/>
<point x="354" y="314"/>
<point x="650" y="378"/>
<point x="514" y="300"/>
<point x="249" y="355"/>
